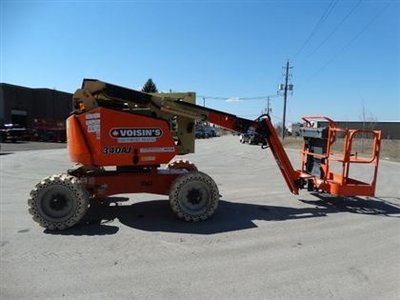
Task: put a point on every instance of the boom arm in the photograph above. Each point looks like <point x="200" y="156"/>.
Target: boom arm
<point x="96" y="93"/>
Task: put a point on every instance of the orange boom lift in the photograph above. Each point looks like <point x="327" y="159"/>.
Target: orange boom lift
<point x="120" y="137"/>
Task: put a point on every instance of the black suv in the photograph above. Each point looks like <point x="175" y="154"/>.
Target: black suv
<point x="252" y="138"/>
<point x="12" y="132"/>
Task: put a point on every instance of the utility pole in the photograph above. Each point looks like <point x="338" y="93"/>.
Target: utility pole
<point x="285" y="87"/>
<point x="284" y="99"/>
<point x="268" y="108"/>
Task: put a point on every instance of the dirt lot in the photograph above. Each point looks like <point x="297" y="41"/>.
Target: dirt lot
<point x="390" y="149"/>
<point x="262" y="243"/>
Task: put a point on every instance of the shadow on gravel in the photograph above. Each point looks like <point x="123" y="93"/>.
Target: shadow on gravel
<point x="96" y="220"/>
<point x="230" y="216"/>
<point x="157" y="216"/>
<point x="87" y="229"/>
<point x="358" y="205"/>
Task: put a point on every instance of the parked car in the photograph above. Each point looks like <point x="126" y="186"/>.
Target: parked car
<point x="200" y="133"/>
<point x="12" y="132"/>
<point x="210" y="131"/>
<point x="251" y="137"/>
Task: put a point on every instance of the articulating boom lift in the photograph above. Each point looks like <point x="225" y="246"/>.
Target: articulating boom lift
<point x="120" y="137"/>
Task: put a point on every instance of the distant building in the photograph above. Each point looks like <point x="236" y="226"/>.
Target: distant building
<point x="390" y="129"/>
<point x="25" y="106"/>
<point x="296" y="129"/>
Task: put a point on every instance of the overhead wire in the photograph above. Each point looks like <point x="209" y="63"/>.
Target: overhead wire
<point x="354" y="38"/>
<point x="352" y="10"/>
<point x="237" y="98"/>
<point x="322" y="19"/>
<point x="280" y="118"/>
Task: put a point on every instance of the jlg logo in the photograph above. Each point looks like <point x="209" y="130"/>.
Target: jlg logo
<point x="132" y="135"/>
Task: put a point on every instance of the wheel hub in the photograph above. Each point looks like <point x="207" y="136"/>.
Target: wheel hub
<point x="194" y="196"/>
<point x="56" y="204"/>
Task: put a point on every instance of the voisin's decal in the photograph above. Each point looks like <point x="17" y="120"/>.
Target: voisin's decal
<point x="136" y="135"/>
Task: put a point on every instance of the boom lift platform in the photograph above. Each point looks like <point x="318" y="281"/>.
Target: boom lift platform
<point x="120" y="137"/>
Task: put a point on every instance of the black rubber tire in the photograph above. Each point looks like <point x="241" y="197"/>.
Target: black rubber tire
<point x="194" y="197"/>
<point x="182" y="165"/>
<point x="58" y="202"/>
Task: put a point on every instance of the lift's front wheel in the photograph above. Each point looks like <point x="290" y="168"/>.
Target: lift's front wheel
<point x="58" y="202"/>
<point x="194" y="196"/>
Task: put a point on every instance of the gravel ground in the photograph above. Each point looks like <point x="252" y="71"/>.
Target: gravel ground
<point x="262" y="243"/>
<point x="9" y="147"/>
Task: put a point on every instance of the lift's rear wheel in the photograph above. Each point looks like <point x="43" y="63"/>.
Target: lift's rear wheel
<point x="194" y="196"/>
<point x="182" y="164"/>
<point x="58" y="202"/>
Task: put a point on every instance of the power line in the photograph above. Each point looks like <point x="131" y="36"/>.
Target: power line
<point x="280" y="118"/>
<point x="322" y="19"/>
<point x="337" y="27"/>
<point x="213" y="97"/>
<point x="237" y="98"/>
<point x="354" y="38"/>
